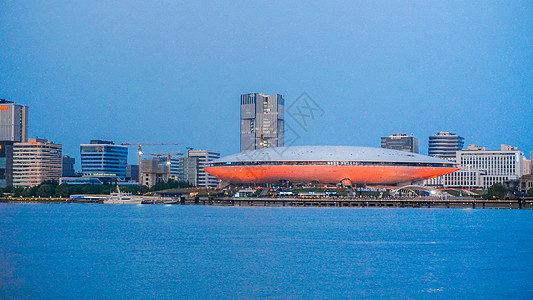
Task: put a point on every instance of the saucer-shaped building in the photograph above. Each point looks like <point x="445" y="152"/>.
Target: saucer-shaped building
<point x="328" y="164"/>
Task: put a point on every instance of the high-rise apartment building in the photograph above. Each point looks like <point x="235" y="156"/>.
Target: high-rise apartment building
<point x="481" y="168"/>
<point x="13" y="129"/>
<point x="445" y="145"/>
<point x="36" y="161"/>
<point x="400" y="141"/>
<point x="191" y="168"/>
<point x="13" y="122"/>
<point x="262" y="121"/>
<point x="103" y="159"/>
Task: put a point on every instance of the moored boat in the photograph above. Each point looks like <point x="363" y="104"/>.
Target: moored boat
<point x="123" y="198"/>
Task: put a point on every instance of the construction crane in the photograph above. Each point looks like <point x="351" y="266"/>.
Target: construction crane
<point x="169" y="158"/>
<point x="261" y="140"/>
<point x="140" y="151"/>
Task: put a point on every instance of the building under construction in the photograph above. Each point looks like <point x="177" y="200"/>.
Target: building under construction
<point x="154" y="170"/>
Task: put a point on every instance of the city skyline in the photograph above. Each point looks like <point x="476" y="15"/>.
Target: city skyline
<point x="374" y="69"/>
<point x="133" y="154"/>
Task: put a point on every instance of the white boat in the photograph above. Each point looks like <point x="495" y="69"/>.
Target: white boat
<point x="123" y="198"/>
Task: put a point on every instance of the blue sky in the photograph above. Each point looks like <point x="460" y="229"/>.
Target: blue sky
<point x="172" y="71"/>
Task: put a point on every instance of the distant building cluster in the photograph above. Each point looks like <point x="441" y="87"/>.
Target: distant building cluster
<point x="29" y="162"/>
<point x="480" y="168"/>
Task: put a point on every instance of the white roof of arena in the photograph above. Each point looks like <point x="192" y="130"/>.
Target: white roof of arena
<point x="330" y="153"/>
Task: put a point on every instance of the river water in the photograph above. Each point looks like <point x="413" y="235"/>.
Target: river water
<point x="92" y="251"/>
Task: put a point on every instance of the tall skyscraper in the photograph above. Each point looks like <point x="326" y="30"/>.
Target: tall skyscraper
<point x="103" y="159"/>
<point x="400" y="141"/>
<point x="13" y="122"/>
<point x="262" y="121"/>
<point x="445" y="145"/>
<point x="36" y="161"/>
<point x="13" y="129"/>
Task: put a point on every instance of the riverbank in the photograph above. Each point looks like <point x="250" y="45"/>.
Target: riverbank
<point x="321" y="202"/>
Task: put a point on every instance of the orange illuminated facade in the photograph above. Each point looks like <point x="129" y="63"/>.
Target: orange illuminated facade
<point x="357" y="165"/>
<point x="326" y="174"/>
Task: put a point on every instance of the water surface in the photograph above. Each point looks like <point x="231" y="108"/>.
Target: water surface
<point x="50" y="251"/>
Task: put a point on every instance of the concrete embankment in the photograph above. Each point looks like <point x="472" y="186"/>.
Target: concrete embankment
<point x="320" y="202"/>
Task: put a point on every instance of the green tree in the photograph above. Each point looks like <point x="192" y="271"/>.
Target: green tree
<point x="74" y="189"/>
<point x="25" y="192"/>
<point x="62" y="190"/>
<point x="90" y="189"/>
<point x="44" y="190"/>
<point x="497" y="191"/>
<point x="170" y="184"/>
<point x="530" y="192"/>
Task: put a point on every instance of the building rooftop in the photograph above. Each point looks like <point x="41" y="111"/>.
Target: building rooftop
<point x="330" y="153"/>
<point x="101" y="142"/>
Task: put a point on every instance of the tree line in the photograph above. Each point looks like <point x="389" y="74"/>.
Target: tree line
<point x="54" y="189"/>
<point x="500" y="191"/>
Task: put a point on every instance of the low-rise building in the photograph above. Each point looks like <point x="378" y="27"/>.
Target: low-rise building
<point x="481" y="168"/>
<point x="400" y="141"/>
<point x="526" y="183"/>
<point x="67" y="166"/>
<point x="36" y="161"/>
<point x="6" y="163"/>
<point x="132" y="173"/>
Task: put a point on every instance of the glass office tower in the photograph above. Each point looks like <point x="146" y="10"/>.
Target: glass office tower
<point x="103" y="159"/>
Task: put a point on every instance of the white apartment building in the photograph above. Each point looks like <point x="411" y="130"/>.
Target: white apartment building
<point x="481" y="168"/>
